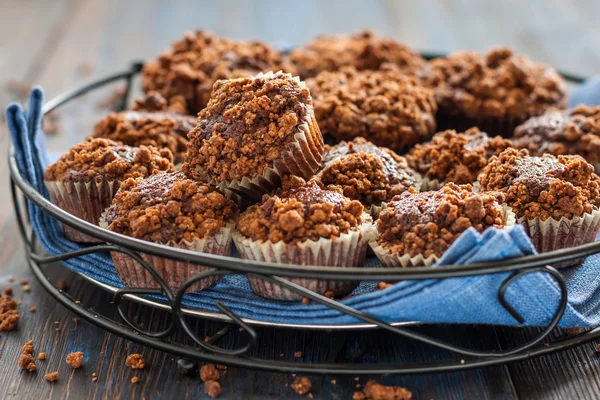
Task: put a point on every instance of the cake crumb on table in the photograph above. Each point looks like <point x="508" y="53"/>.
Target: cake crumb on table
<point x="76" y="321"/>
<point x="42" y="356"/>
<point x="305" y="300"/>
<point x="27" y="347"/>
<point x="75" y="360"/>
<point x="23" y="282"/>
<point x="8" y="291"/>
<point x="51" y="377"/>
<point x="62" y="285"/>
<point x="94" y="378"/>
<point x="27" y="288"/>
<point x="208" y="372"/>
<point x="32" y="309"/>
<point x="572" y="331"/>
<point x="298" y="354"/>
<point x="301" y="385"/>
<point x="329" y="294"/>
<point x="384" y="285"/>
<point x="212" y="388"/>
<point x="135" y="361"/>
<point x="9" y="317"/>
<point x="26" y="361"/>
<point x="377" y="391"/>
<point x="135" y="379"/>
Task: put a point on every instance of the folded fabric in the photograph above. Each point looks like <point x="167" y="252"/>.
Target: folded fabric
<point x="458" y="300"/>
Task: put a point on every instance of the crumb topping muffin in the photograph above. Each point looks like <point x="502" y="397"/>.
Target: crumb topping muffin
<point x="496" y="84"/>
<point x="168" y="207"/>
<point x="159" y="129"/>
<point x="366" y="172"/>
<point x="364" y="51"/>
<point x="307" y="212"/>
<point x="248" y="125"/>
<point x="455" y="157"/>
<point x="386" y="107"/>
<point x="544" y="187"/>
<point x="575" y="131"/>
<point x="186" y="72"/>
<point x="104" y="159"/>
<point x="428" y="223"/>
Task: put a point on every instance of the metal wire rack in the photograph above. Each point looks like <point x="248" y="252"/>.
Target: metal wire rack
<point x="209" y="351"/>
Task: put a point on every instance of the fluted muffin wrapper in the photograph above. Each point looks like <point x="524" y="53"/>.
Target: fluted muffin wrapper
<point x="347" y="250"/>
<point x="435" y="184"/>
<point x="174" y="272"/>
<point x="503" y="126"/>
<point x="83" y="200"/>
<point x="301" y="157"/>
<point x="555" y="234"/>
<point x="389" y="259"/>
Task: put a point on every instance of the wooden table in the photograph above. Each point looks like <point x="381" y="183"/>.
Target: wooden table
<point x="61" y="44"/>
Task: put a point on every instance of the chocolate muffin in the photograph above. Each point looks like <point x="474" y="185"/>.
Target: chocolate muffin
<point x="556" y="199"/>
<point x="363" y="51"/>
<point x="558" y="132"/>
<point x="170" y="209"/>
<point x="454" y="157"/>
<point x="186" y="72"/>
<point x="309" y="225"/>
<point x="415" y="229"/>
<point x="386" y="107"/>
<point x="84" y="180"/>
<point x="495" y="92"/>
<point x="367" y="173"/>
<point x="254" y="131"/>
<point x="161" y="129"/>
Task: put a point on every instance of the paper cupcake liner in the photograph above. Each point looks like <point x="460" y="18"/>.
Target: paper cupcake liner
<point x="428" y="185"/>
<point x="301" y="157"/>
<point x="492" y="126"/>
<point x="347" y="250"/>
<point x="174" y="273"/>
<point x="83" y="200"/>
<point x="389" y="259"/>
<point x="555" y="234"/>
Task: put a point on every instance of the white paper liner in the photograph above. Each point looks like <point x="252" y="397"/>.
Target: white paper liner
<point x="428" y="185"/>
<point x="302" y="158"/>
<point x="389" y="259"/>
<point x="83" y="200"/>
<point x="555" y="234"/>
<point x="174" y="273"/>
<point x="347" y="250"/>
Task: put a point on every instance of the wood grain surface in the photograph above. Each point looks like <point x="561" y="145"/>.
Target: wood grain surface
<point x="61" y="44"/>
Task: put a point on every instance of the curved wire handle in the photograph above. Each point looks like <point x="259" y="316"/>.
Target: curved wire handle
<point x="433" y="341"/>
<point x="176" y="309"/>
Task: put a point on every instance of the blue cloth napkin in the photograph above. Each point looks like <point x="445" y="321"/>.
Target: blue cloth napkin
<point x="458" y="300"/>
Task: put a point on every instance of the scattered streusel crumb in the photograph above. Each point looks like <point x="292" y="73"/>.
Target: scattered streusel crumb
<point x="57" y="329"/>
<point x="221" y="367"/>
<point x="573" y="331"/>
<point x="27" y="288"/>
<point x="377" y="391"/>
<point x="8" y="291"/>
<point x="208" y="372"/>
<point x="42" y="356"/>
<point x="384" y="285"/>
<point x="328" y="294"/>
<point x="333" y="381"/>
<point x="305" y="300"/>
<point x="27" y="347"/>
<point x="32" y="309"/>
<point x="26" y="361"/>
<point x="23" y="282"/>
<point x="212" y="388"/>
<point x="76" y="321"/>
<point x="51" y="377"/>
<point x="357" y="386"/>
<point x="598" y="347"/>
<point x="75" y="359"/>
<point x="62" y="285"/>
<point x="135" y="361"/>
<point x="298" y="354"/>
<point x="301" y="385"/>
<point x="358" y="396"/>
<point x="94" y="379"/>
<point x="135" y="379"/>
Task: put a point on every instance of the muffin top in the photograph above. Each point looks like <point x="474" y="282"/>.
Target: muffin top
<point x="159" y="129"/>
<point x="168" y="207"/>
<point x="386" y="107"/>
<point x="362" y="50"/>
<point x="428" y="223"/>
<point x="306" y="212"/>
<point x="104" y="159"/>
<point x="366" y="172"/>
<point x="246" y="126"/>
<point x="186" y="72"/>
<point x="575" y="131"/>
<point x="497" y="84"/>
<point x="544" y="187"/>
<point x="455" y="157"/>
